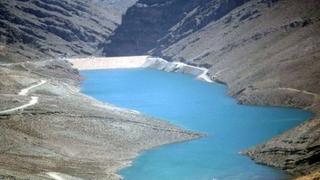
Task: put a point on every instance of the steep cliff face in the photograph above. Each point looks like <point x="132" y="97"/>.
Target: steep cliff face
<point x="34" y="29"/>
<point x="145" y="23"/>
<point x="150" y="24"/>
<point x="204" y="13"/>
<point x="266" y="51"/>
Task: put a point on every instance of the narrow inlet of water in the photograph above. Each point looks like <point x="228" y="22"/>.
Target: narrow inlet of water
<point x="197" y="106"/>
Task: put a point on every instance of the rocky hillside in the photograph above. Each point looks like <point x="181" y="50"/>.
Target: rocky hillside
<point x="266" y="51"/>
<point x="148" y="22"/>
<point x="36" y="29"/>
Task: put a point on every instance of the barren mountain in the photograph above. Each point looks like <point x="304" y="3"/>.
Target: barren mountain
<point x="37" y="29"/>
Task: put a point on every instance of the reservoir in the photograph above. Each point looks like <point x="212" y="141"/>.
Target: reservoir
<point x="198" y="106"/>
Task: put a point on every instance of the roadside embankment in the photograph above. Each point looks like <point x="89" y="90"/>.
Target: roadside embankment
<point x="164" y="65"/>
<point x="34" y="99"/>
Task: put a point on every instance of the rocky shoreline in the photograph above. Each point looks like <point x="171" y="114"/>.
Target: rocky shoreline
<point x="295" y="151"/>
<point x="67" y="134"/>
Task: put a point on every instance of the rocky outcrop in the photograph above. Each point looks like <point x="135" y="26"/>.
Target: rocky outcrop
<point x="312" y="176"/>
<point x="296" y="151"/>
<point x="266" y="51"/>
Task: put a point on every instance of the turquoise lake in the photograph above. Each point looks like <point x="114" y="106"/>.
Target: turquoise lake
<point x="199" y="106"/>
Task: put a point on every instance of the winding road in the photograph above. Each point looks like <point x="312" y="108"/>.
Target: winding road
<point x="316" y="96"/>
<point x="203" y="76"/>
<point x="24" y="92"/>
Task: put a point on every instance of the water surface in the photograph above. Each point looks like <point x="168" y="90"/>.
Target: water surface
<point x="197" y="106"/>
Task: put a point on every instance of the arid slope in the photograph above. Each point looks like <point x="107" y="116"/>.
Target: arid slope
<point x="37" y="29"/>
